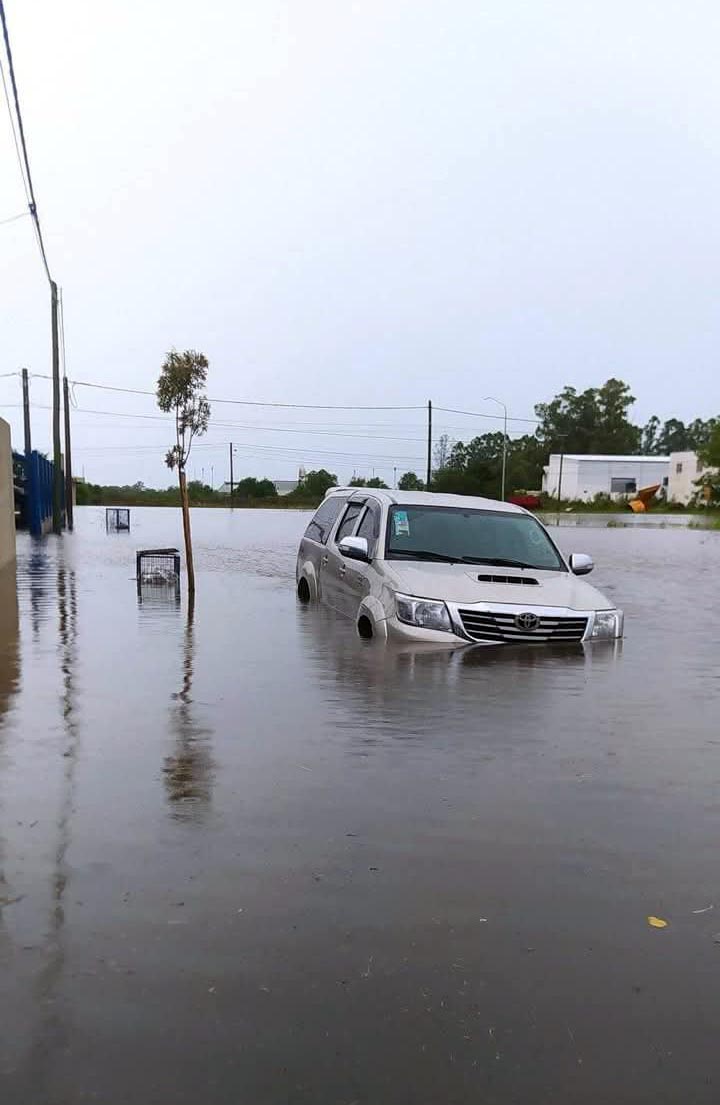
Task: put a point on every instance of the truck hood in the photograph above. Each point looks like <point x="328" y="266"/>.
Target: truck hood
<point x="459" y="583"/>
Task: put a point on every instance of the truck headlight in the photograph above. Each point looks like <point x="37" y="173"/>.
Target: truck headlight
<point x="608" y="625"/>
<point x="423" y="613"/>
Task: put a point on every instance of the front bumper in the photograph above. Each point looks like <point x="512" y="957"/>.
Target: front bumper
<point x="468" y="620"/>
<point x="401" y="631"/>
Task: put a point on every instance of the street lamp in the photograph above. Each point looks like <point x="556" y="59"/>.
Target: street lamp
<point x="492" y="399"/>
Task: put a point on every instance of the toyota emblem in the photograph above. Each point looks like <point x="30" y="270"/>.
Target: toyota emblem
<point x="528" y="622"/>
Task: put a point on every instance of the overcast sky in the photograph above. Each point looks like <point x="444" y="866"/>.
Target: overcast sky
<point x="375" y="203"/>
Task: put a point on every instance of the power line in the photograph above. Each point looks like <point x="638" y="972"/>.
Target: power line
<point x="477" y="414"/>
<point x="13" y="128"/>
<point x="364" y="424"/>
<point x="306" y="406"/>
<point x="274" y="450"/>
<point x="248" y="402"/>
<point x="14" y="218"/>
<point x="222" y="445"/>
<point x="27" y="177"/>
<point x="345" y="432"/>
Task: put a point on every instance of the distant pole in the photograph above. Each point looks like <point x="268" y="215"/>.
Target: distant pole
<point x="504" y="464"/>
<point x="212" y="476"/>
<point x="429" y="447"/>
<point x="395" y="477"/>
<point x="26" y="411"/>
<point x="492" y="399"/>
<point x="68" y="459"/>
<point x="57" y="451"/>
<point x="231" y="473"/>
<point x="559" y="491"/>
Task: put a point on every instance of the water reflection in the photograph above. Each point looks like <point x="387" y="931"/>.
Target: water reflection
<point x="38" y="573"/>
<point x="188" y="772"/>
<point x="472" y="696"/>
<point x="9" y="685"/>
<point x="158" y="596"/>
<point x="9" y="639"/>
<point x="379" y="662"/>
<point x="53" y="1032"/>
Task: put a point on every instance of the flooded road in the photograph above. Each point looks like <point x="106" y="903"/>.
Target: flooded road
<point x="249" y="858"/>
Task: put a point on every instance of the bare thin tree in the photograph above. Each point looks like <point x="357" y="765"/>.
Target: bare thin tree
<point x="181" y="391"/>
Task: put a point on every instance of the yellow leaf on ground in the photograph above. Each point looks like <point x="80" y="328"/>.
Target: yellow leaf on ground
<point x="657" y="922"/>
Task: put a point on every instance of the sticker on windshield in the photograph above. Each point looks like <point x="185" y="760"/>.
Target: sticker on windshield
<point x="401" y="525"/>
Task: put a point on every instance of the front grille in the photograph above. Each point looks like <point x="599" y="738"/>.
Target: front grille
<point x="484" y="625"/>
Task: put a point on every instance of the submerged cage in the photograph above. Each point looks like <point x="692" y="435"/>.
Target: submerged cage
<point x="117" y="518"/>
<point x="158" y="568"/>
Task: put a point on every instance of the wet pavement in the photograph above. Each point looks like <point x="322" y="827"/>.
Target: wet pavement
<point x="246" y="857"/>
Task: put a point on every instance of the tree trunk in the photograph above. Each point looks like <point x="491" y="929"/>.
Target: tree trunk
<point x="186" y="531"/>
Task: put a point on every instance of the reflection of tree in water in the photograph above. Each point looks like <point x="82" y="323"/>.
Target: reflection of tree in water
<point x="189" y="770"/>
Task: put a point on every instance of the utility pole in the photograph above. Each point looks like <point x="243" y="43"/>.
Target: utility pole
<point x="57" y="455"/>
<point x="429" y="447"/>
<point x="395" y="476"/>
<point x="26" y="411"/>
<point x="559" y="487"/>
<point x="68" y="459"/>
<point x="492" y="399"/>
<point x="231" y="472"/>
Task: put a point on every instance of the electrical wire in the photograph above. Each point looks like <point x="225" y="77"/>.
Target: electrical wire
<point x="13" y="128"/>
<point x="248" y="402"/>
<point x="14" y="218"/>
<point x="308" y="406"/>
<point x="253" y="427"/>
<point x="477" y="414"/>
<point x="222" y="445"/>
<point x="30" y="191"/>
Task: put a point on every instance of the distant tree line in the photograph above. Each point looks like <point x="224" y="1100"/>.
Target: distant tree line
<point x="592" y="421"/>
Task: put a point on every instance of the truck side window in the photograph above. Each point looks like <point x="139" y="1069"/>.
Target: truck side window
<point x="369" y="528"/>
<point x="349" y="519"/>
<point x="324" y="518"/>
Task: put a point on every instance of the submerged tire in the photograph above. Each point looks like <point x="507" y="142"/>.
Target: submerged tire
<point x="365" y="627"/>
<point x="303" y="590"/>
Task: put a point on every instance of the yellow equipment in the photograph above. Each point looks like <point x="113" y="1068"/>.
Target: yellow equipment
<point x="644" y="498"/>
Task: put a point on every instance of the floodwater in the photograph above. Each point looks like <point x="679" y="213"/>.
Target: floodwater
<point x="250" y="858"/>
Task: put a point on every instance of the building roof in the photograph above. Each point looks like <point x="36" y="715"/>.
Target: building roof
<point x="611" y="457"/>
<point x="428" y="498"/>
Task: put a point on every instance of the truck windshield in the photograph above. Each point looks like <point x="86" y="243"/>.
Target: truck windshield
<point x="456" y="535"/>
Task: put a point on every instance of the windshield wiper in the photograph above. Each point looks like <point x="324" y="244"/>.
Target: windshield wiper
<point x="422" y="554"/>
<point x="503" y="561"/>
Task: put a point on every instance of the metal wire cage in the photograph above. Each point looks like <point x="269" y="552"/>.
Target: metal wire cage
<point x="117" y="519"/>
<point x="158" y="568"/>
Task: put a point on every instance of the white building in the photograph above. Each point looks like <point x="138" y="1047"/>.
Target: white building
<point x="685" y="469"/>
<point x="283" y="487"/>
<point x="586" y="475"/>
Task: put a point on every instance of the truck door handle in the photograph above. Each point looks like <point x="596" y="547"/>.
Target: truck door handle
<point x="343" y="569"/>
<point x="324" y="561"/>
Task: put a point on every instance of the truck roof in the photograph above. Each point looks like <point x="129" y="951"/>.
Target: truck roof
<point x="428" y="498"/>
